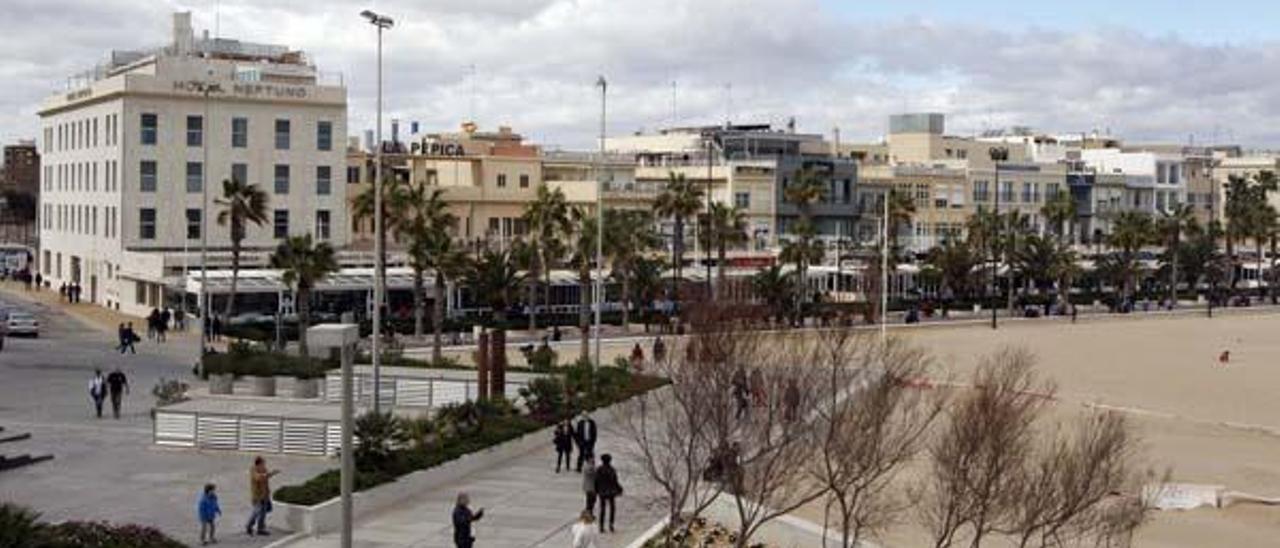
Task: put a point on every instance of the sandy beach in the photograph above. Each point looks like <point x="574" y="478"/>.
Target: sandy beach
<point x="1204" y="422"/>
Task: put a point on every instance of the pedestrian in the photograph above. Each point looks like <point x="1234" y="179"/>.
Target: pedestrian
<point x="589" y="483"/>
<point x="585" y="438"/>
<point x="463" y="517"/>
<point x="62" y="291"/>
<point x="637" y="358"/>
<point x="608" y="489"/>
<point x="165" y="316"/>
<point x="1073" y="313"/>
<point x="259" y="497"/>
<point x="120" y="338"/>
<point x="130" y="337"/>
<point x="758" y="395"/>
<point x="98" y="390"/>
<point x="659" y="350"/>
<point x="118" y="386"/>
<point x="39" y="281"/>
<point x="740" y="391"/>
<point x="208" y="511"/>
<point x="791" y="399"/>
<point x="152" y="320"/>
<point x="179" y="319"/>
<point x="217" y="328"/>
<point x="584" y="531"/>
<point x="563" y="440"/>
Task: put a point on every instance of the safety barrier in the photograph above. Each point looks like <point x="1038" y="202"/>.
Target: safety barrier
<point x="252" y="434"/>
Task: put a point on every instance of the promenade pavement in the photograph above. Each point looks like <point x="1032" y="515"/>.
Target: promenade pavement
<point x="526" y="504"/>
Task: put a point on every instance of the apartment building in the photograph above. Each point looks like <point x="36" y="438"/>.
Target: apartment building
<point x="21" y="171"/>
<point x="131" y="145"/>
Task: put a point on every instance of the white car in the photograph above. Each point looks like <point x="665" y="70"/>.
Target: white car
<point x="22" y="323"/>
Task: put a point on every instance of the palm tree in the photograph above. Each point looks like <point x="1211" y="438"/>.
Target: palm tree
<point x="1011" y="238"/>
<point x="439" y="254"/>
<point x="901" y="210"/>
<point x="721" y="227"/>
<point x="304" y="264"/>
<point x="772" y="286"/>
<point x="494" y="277"/>
<point x="1130" y="231"/>
<point x="584" y="255"/>
<point x="680" y="200"/>
<point x="1059" y="212"/>
<point x="1262" y="227"/>
<point x="241" y="203"/>
<point x="1239" y="202"/>
<point x="1171" y="226"/>
<point x="394" y="201"/>
<point x="628" y="235"/>
<point x="645" y="276"/>
<point x="954" y="261"/>
<point x="809" y="188"/>
<point x="547" y="217"/>
<point x="426" y="223"/>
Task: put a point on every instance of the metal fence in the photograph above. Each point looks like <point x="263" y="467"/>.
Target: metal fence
<point x="220" y="431"/>
<point x="402" y="391"/>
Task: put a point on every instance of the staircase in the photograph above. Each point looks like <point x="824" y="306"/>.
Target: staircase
<point x="10" y="463"/>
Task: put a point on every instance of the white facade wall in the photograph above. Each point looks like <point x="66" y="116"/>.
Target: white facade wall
<point x="1154" y="182"/>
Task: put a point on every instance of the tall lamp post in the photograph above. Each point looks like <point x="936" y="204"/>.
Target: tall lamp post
<point x="600" y="175"/>
<point x="998" y="154"/>
<point x="205" y="87"/>
<point x="382" y="22"/>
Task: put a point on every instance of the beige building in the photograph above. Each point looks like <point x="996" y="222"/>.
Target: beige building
<point x="1234" y="163"/>
<point x="130" y="145"/>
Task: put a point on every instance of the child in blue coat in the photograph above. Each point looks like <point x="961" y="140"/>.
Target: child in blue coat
<point x="208" y="511"/>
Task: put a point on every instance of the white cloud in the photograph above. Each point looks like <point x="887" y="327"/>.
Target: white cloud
<point x="536" y="62"/>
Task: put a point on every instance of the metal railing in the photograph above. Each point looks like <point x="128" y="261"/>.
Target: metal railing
<point x="403" y="391"/>
<point x="254" y="434"/>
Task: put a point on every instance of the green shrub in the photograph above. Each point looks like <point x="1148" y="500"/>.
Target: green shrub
<point x="377" y="436"/>
<point x="542" y="359"/>
<point x="546" y="399"/>
<point x="20" y="528"/>
<point x="246" y="360"/>
<point x="18" y="525"/>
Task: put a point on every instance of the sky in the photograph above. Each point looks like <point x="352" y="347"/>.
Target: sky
<point x="1145" y="70"/>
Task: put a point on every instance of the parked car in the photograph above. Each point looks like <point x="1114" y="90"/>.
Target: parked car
<point x="22" y="323"/>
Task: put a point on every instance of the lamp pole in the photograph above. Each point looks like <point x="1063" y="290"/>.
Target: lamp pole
<point x="998" y="154"/>
<point x="599" y="282"/>
<point x="884" y="267"/>
<point x="206" y="87"/>
<point x="381" y="22"/>
<point x="712" y="230"/>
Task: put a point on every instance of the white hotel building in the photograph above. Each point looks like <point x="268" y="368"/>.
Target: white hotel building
<point x="127" y="148"/>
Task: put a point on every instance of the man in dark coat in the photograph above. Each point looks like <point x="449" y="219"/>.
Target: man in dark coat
<point x="463" y="517"/>
<point x="608" y="489"/>
<point x="585" y="437"/>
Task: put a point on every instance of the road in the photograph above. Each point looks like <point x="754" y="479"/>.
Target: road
<point x="107" y="469"/>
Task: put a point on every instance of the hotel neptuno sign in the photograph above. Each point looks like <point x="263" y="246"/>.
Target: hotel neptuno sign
<point x="254" y="90"/>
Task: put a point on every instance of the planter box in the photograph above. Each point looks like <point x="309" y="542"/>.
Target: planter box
<point x="222" y="383"/>
<point x="262" y="386"/>
<point x="326" y="517"/>
<point x="306" y="388"/>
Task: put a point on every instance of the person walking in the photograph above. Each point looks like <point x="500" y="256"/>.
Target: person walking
<point x="563" y="440"/>
<point x="120" y="338"/>
<point x="608" y="489"/>
<point x="637" y="358"/>
<point x="585" y="437"/>
<point x="208" y="511"/>
<point x="179" y="319"/>
<point x="128" y="339"/>
<point x="259" y="497"/>
<point x="152" y="319"/>
<point x="583" y="531"/>
<point x="217" y="328"/>
<point x="791" y="401"/>
<point x="659" y="350"/>
<point x="463" y="517"/>
<point x="589" y="483"/>
<point x="98" y="391"/>
<point x="118" y="386"/>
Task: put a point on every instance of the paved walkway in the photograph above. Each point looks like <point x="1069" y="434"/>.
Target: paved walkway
<point x="526" y="505"/>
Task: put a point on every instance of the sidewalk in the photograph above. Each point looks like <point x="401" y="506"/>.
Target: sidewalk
<point x="525" y="505"/>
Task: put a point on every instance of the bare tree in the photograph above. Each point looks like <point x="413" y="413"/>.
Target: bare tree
<point x="975" y="458"/>
<point x="873" y="420"/>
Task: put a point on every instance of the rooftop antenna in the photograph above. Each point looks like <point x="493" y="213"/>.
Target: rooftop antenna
<point x="217" y="20"/>
<point x="728" y="109"/>
<point x="674" y="118"/>
<point x="471" y="109"/>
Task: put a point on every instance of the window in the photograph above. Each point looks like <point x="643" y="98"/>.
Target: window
<point x="324" y="180"/>
<point x="140" y="292"/>
<point x="524" y="181"/>
<point x="1026" y="193"/>
<point x="147" y="176"/>
<point x="147" y="223"/>
<point x="281" y="223"/>
<point x="1174" y="174"/>
<point x="195" y="176"/>
<point x="150" y="123"/>
<point x="322" y="224"/>
<point x="324" y="136"/>
<point x="742" y="200"/>
<point x="1006" y="191"/>
<point x="1052" y="190"/>
<point x="502" y="180"/>
<point x="193" y="224"/>
<point x="240" y="172"/>
<point x="195" y="131"/>
<point x="282" y="179"/>
<point x="353" y="175"/>
<point x="282" y="135"/>
<point x="239" y="133"/>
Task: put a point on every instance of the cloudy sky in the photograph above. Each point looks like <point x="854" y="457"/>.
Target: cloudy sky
<point x="1145" y="69"/>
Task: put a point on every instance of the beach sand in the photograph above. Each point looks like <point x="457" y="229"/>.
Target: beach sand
<point x="1203" y="422"/>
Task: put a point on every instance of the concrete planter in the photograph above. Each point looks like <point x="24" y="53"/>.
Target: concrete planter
<point x="262" y="386"/>
<point x="307" y="388"/>
<point x="221" y="383"/>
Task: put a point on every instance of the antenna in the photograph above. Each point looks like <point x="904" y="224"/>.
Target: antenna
<point x="217" y="19"/>
<point x="674" y="118"/>
<point x="471" y="109"/>
<point x="728" y="109"/>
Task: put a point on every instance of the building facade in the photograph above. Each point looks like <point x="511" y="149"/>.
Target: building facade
<point x="21" y="172"/>
<point x="130" y="147"/>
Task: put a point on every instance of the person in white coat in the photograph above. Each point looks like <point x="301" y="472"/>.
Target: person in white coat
<point x="584" y="531"/>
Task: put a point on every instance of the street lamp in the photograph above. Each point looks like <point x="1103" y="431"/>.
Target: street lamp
<point x="599" y="285"/>
<point x="204" y="87"/>
<point x="998" y="154"/>
<point x="382" y="22"/>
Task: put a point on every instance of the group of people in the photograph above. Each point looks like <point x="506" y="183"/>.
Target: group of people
<point x="208" y="510"/>
<point x="69" y="292"/>
<point x="158" y="323"/>
<point x="115" y="385"/>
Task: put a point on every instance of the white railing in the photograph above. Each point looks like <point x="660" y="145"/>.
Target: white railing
<point x="230" y="432"/>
